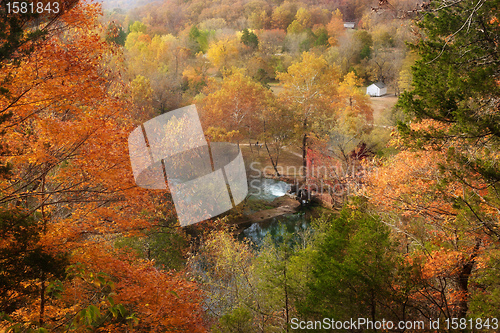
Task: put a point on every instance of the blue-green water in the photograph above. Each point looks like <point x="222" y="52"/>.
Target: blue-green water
<point x="278" y="227"/>
<point x="268" y="190"/>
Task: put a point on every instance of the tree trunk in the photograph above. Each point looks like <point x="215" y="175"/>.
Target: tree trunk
<point x="42" y="300"/>
<point x="42" y="283"/>
<point x="463" y="282"/>
<point x="304" y="151"/>
<point x="275" y="164"/>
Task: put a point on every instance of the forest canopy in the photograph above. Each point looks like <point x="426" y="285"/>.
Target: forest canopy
<point x="383" y="207"/>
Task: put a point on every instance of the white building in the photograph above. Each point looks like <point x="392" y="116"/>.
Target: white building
<point x="376" y="89"/>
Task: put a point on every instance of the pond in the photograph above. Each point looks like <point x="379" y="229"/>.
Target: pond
<point x="277" y="227"/>
<point x="268" y="190"/>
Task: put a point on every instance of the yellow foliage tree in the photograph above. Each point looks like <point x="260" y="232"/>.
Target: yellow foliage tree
<point x="221" y="53"/>
<point x="310" y="90"/>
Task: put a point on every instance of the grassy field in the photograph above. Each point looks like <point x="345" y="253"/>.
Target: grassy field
<point x="382" y="109"/>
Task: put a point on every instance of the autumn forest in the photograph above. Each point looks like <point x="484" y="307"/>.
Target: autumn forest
<point x="361" y="208"/>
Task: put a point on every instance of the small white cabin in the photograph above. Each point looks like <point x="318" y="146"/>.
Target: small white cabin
<point x="349" y="25"/>
<point x="377" y="89"/>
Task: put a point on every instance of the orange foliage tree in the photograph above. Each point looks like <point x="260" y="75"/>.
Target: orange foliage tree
<point x="65" y="143"/>
<point x="422" y="202"/>
<point x="235" y="104"/>
<point x="444" y="183"/>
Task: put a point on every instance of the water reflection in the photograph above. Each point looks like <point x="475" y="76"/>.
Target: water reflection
<point x="268" y="190"/>
<point x="277" y="227"/>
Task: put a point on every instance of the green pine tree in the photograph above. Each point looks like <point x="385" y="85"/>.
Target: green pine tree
<point x="353" y="268"/>
<point x="250" y="39"/>
<point x="456" y="98"/>
<point x="456" y="84"/>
